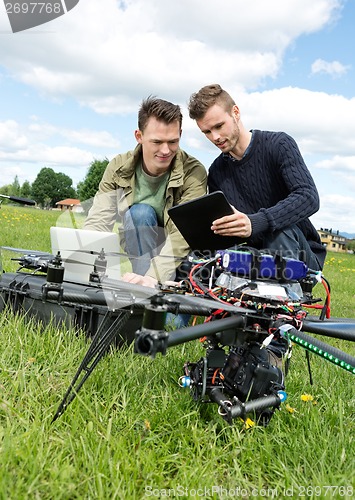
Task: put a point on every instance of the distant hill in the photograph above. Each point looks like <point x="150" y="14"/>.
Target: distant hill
<point x="349" y="236"/>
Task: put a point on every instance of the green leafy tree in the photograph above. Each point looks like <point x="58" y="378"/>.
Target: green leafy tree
<point x="6" y="189"/>
<point x="26" y="190"/>
<point x="64" y="188"/>
<point x="350" y="245"/>
<point x="50" y="187"/>
<point x="15" y="187"/>
<point x="88" y="187"/>
<point x="44" y="185"/>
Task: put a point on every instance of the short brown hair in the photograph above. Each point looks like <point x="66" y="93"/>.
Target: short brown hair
<point x="164" y="111"/>
<point x="207" y="97"/>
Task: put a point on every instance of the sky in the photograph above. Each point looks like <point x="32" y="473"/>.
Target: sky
<point x="70" y="89"/>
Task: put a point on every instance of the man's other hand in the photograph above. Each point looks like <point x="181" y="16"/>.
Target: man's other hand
<point x="138" y="279"/>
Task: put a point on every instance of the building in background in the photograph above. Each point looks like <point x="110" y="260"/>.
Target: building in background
<point x="333" y="242"/>
<point x="71" y="204"/>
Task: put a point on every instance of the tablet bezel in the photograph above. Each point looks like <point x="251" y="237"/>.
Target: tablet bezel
<point x="194" y="220"/>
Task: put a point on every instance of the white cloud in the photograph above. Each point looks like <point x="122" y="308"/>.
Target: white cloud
<point x="310" y="117"/>
<point x="334" y="68"/>
<point x="56" y="155"/>
<point x="338" y="212"/>
<point x="100" y="139"/>
<point x="25" y="149"/>
<point x="107" y="58"/>
<point x="338" y="163"/>
<point x="11" y="136"/>
<point x="102" y="55"/>
<point x="95" y="138"/>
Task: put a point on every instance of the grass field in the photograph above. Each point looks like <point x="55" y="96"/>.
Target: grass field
<point x="133" y="433"/>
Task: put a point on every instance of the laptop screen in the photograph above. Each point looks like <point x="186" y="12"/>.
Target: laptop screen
<point x="75" y="246"/>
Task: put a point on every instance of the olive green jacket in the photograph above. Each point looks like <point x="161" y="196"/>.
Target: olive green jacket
<point x="188" y="180"/>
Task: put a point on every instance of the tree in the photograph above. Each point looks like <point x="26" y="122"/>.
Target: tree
<point x="15" y="187"/>
<point x="26" y="190"/>
<point x="350" y="245"/>
<point x="43" y="186"/>
<point x="88" y="187"/>
<point x="6" y="189"/>
<point x="64" y="188"/>
<point x="50" y="187"/>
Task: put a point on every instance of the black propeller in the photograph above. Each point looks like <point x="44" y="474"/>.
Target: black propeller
<point x="25" y="251"/>
<point x="23" y="201"/>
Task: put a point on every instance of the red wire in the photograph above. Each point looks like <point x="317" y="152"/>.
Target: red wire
<point x="194" y="284"/>
<point x="327" y="300"/>
<point x="215" y="373"/>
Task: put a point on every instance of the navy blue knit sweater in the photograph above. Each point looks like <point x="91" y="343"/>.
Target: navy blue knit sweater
<point x="271" y="184"/>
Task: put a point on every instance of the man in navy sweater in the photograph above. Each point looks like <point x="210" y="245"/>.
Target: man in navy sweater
<point x="264" y="178"/>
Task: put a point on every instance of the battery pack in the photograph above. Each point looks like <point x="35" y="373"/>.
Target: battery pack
<point x="262" y="266"/>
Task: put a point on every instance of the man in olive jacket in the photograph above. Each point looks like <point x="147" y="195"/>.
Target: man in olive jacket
<point x="138" y="188"/>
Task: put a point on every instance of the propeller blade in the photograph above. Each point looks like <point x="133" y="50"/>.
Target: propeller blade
<point x="25" y="251"/>
<point x="205" y="303"/>
<point x="118" y="254"/>
<point x="94" y="252"/>
<point x="23" y="201"/>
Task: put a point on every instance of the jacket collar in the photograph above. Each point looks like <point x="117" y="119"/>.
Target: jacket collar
<point x="127" y="169"/>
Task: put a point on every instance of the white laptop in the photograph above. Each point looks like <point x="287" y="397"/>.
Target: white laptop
<point x="75" y="246"/>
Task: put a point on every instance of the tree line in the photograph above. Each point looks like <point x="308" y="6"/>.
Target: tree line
<point x="49" y="187"/>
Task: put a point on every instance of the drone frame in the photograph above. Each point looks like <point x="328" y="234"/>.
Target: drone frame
<point x="194" y="298"/>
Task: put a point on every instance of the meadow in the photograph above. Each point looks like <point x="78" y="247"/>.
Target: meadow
<point x="133" y="433"/>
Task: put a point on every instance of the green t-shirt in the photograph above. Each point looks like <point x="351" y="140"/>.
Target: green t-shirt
<point x="151" y="190"/>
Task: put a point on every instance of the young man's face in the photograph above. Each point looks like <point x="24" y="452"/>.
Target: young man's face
<point x="160" y="143"/>
<point x="221" y="127"/>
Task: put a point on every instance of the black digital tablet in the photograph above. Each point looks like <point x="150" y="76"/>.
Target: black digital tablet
<point x="194" y="220"/>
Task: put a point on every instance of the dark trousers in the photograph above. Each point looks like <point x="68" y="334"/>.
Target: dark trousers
<point x="291" y="243"/>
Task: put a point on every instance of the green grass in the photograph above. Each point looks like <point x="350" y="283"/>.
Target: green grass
<point x="132" y="432"/>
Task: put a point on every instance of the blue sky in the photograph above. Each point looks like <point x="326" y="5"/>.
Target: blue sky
<point x="70" y="89"/>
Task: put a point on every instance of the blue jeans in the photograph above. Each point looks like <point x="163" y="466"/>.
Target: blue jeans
<point x="143" y="236"/>
<point x="177" y="321"/>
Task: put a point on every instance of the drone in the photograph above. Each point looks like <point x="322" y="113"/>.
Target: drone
<point x="253" y="307"/>
<point x="258" y="311"/>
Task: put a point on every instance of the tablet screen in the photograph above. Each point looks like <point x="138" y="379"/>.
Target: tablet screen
<point x="194" y="220"/>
